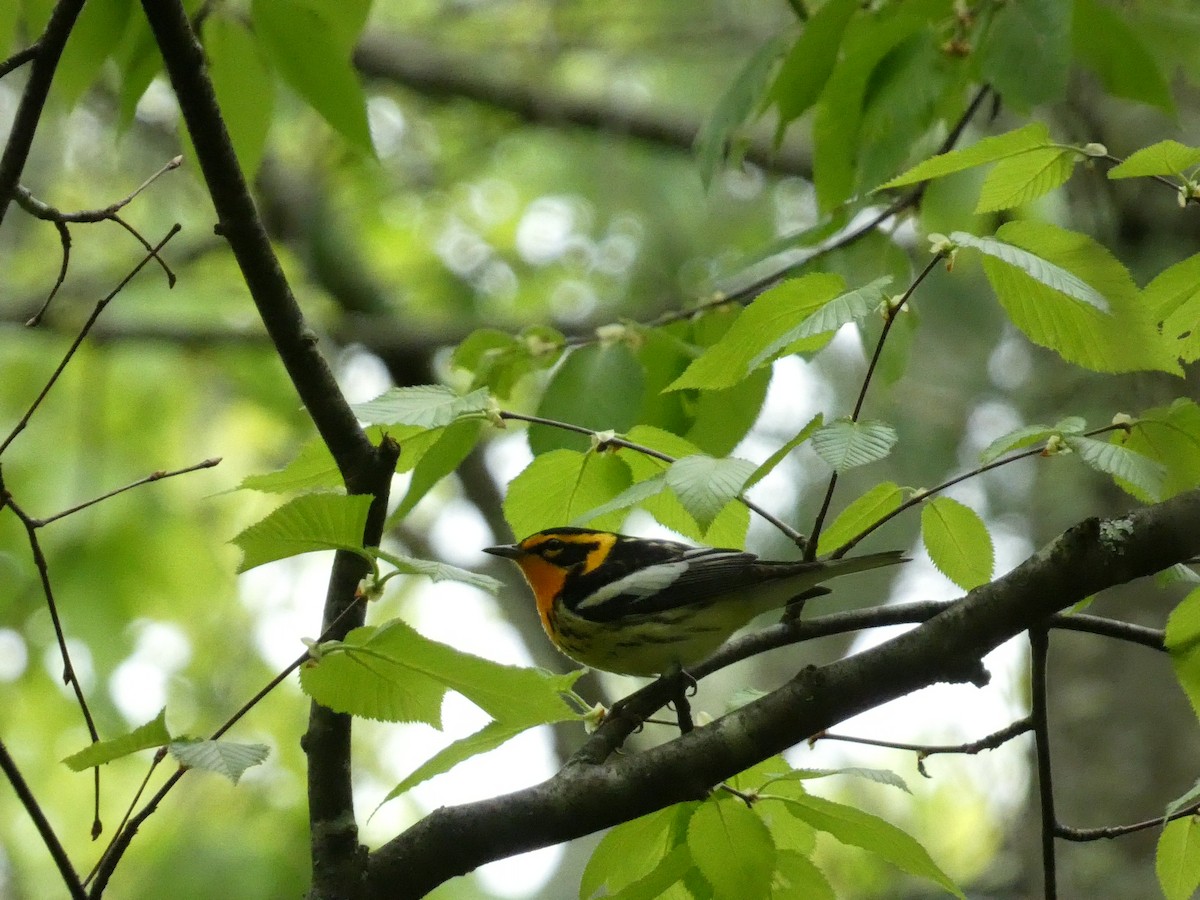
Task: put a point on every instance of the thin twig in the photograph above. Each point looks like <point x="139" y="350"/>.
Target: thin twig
<point x="19" y="58"/>
<point x="83" y="332"/>
<point x="64" y="239"/>
<point x="924" y="751"/>
<point x="1039" y="643"/>
<point x="48" y="213"/>
<point x="9" y="766"/>
<point x="152" y="477"/>
<point x="1115" y="831"/>
<point x="787" y="529"/>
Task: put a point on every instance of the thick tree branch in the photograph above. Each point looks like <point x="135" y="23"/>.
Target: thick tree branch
<point x="583" y="798"/>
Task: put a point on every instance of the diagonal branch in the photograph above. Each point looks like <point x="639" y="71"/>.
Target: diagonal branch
<point x="583" y="798"/>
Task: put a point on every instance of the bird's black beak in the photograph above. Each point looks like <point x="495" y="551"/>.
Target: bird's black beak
<point x="509" y="551"/>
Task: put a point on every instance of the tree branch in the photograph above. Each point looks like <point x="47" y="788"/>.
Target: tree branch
<point x="583" y="798"/>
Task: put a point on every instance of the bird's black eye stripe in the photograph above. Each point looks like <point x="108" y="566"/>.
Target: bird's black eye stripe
<point x="552" y="547"/>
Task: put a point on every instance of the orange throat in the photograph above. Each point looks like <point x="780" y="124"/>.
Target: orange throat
<point x="545" y="580"/>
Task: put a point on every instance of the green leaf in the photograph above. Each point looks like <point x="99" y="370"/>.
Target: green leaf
<point x="1027" y="51"/>
<point x="498" y="360"/>
<point x="395" y="674"/>
<point x="1173" y="298"/>
<point x="1128" y="466"/>
<point x="1017" y="439"/>
<point x="1020" y="179"/>
<point x="153" y="734"/>
<point x="722" y="418"/>
<point x="223" y="757"/>
<point x="781" y="454"/>
<point x="307" y="43"/>
<point x="958" y="542"/>
<point x="740" y="101"/>
<point x="561" y="486"/>
<point x="773" y="314"/>
<point x="879" y="776"/>
<point x="860" y="829"/>
<point x="1169" y="436"/>
<point x="425" y="405"/>
<point x="312" y="468"/>
<point x="598" y="387"/>
<point x="633" y="495"/>
<point x="1104" y="42"/>
<point x="797" y="876"/>
<point x="1169" y="158"/>
<point x="244" y="84"/>
<point x="1187" y="798"/>
<point x="732" y="848"/>
<point x="1034" y="136"/>
<point x="437" y="571"/>
<point x="307" y="523"/>
<point x="848" y="307"/>
<point x="1182" y="639"/>
<point x="704" y="484"/>
<point x="844" y="444"/>
<point x="809" y="62"/>
<point x="446" y="454"/>
<point x="1067" y="292"/>
<point x="634" y="850"/>
<point x="96" y="33"/>
<point x="1177" y="860"/>
<point x="860" y="515"/>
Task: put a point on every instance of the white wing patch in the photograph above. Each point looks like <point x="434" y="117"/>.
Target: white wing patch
<point x="641" y="583"/>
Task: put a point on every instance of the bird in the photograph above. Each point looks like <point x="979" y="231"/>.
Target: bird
<point x="641" y="606"/>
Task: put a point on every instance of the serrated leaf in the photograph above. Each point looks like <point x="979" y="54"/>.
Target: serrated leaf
<point x="797" y="876"/>
<point x="1182" y="639"/>
<point x="312" y="468"/>
<point x="1174" y="300"/>
<point x="633" y="495"/>
<point x="445" y="455"/>
<point x="303" y="525"/>
<point x="1033" y="136"/>
<point x="732" y="848"/>
<point x="844" y="444"/>
<point x="848" y="307"/>
<point x="758" y="326"/>
<point x="1065" y="291"/>
<point x="1177" y="859"/>
<point x="634" y="850"/>
<point x="860" y="515"/>
<point x="769" y="464"/>
<point x="425" y="405"/>
<point x="958" y="542"/>
<point x="597" y="387"/>
<point x="1187" y="798"/>
<point x="1020" y="179"/>
<point x="1017" y="439"/>
<point x="879" y="776"/>
<point x="1169" y="436"/>
<point x="396" y="674"/>
<point x="1027" y="53"/>
<point x="704" y="485"/>
<point x="153" y="734"/>
<point x="561" y="486"/>
<point x="1127" y="465"/>
<point x="437" y="571"/>
<point x="739" y="102"/>
<point x="722" y="418"/>
<point x="860" y="829"/>
<point x="223" y="757"/>
<point x="1040" y="270"/>
<point x="1166" y="158"/>
<point x="307" y="43"/>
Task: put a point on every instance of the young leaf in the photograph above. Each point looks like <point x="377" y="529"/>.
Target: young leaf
<point x="312" y="468"/>
<point x="844" y="444"/>
<point x="1017" y="439"/>
<point x="560" y="486"/>
<point x="879" y="776"/>
<point x="1027" y="53"/>
<point x="1182" y="640"/>
<point x="1177" y="860"/>
<point x="153" y="734"/>
<point x="797" y="876"/>
<point x="1104" y="42"/>
<point x="808" y="63"/>
<point x="704" y="484"/>
<point x="860" y="515"/>
<point x="307" y="523"/>
<point x="1033" y="136"/>
<point x="223" y="757"/>
<point x="848" y="307"/>
<point x="633" y="495"/>
<point x="958" y="542"/>
<point x="722" y="418"/>
<point x="443" y="457"/>
<point x="774" y="313"/>
<point x="1169" y="436"/>
<point x="425" y="405"/>
<point x="1128" y="466"/>
<point x="597" y="387"/>
<point x="244" y="85"/>
<point x="437" y="571"/>
<point x="634" y="850"/>
<point x="860" y="829"/>
<point x="1020" y="179"/>
<point x="781" y="454"/>
<point x="1168" y="158"/>
<point x="732" y="848"/>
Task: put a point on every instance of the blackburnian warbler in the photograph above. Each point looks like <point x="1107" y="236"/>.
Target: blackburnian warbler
<point x="643" y="607"/>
